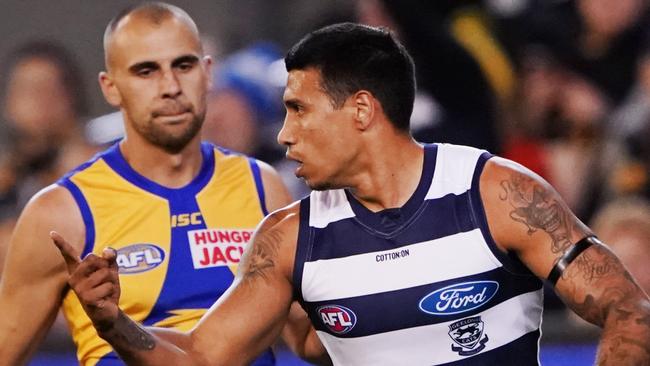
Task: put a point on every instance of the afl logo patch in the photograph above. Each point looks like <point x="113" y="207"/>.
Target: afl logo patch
<point x="459" y="298"/>
<point x="138" y="258"/>
<point x="337" y="318"/>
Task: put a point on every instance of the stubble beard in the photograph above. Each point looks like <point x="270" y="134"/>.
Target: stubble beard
<point x="171" y="143"/>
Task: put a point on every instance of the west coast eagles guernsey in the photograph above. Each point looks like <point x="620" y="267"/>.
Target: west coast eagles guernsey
<point x="423" y="284"/>
<point x="177" y="249"/>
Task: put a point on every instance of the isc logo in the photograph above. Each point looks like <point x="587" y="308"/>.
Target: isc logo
<point x="337" y="318"/>
<point x="186" y="219"/>
<point x="138" y="258"/>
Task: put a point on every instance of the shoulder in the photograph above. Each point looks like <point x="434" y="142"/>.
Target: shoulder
<point x="53" y="208"/>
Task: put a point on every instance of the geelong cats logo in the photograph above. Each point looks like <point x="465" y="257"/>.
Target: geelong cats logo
<point x="467" y="334"/>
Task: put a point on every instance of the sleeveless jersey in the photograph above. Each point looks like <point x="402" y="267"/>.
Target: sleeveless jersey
<point x="423" y="284"/>
<point x="177" y="249"/>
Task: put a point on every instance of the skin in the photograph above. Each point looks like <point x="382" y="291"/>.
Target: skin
<point x="381" y="166"/>
<point x="154" y="72"/>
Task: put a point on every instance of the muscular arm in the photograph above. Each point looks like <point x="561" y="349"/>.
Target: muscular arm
<point x="33" y="281"/>
<point x="527" y="217"/>
<point x="298" y="333"/>
<point x="245" y="321"/>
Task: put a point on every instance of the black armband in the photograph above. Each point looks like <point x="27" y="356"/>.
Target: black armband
<point x="569" y="256"/>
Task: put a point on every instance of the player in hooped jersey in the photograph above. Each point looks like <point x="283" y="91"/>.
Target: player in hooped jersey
<point x="404" y="254"/>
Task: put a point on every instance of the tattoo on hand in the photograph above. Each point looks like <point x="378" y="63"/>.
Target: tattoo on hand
<point x="536" y="208"/>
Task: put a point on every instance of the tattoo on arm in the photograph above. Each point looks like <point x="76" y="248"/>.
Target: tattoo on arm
<point x="596" y="286"/>
<point x="605" y="294"/>
<point x="130" y="334"/>
<point x="264" y="255"/>
<point x="594" y="265"/>
<point x="535" y="207"/>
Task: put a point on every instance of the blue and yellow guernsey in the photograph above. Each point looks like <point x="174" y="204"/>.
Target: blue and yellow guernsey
<point x="177" y="249"/>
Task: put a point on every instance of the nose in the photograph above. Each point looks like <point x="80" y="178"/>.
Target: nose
<point x="170" y="87"/>
<point x="286" y="135"/>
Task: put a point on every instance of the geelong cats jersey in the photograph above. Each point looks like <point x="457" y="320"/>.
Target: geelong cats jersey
<point x="423" y="284"/>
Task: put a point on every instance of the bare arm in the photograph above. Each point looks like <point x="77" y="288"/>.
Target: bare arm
<point x="245" y="321"/>
<point x="527" y="217"/>
<point x="33" y="281"/>
<point x="298" y="333"/>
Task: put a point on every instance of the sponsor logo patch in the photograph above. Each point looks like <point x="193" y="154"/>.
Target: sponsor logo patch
<point x="467" y="334"/>
<point x="337" y="318"/>
<point x="137" y="258"/>
<point x="217" y="247"/>
<point x="459" y="298"/>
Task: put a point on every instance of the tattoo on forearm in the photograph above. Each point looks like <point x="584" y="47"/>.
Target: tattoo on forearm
<point x="536" y="208"/>
<point x="612" y="299"/>
<point x="129" y="333"/>
<point x="264" y="254"/>
<point x="596" y="285"/>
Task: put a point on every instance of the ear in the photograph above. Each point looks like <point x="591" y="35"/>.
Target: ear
<point x="365" y="108"/>
<point x="207" y="68"/>
<point x="111" y="94"/>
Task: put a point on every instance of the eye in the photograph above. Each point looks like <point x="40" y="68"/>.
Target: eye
<point x="185" y="66"/>
<point x="145" y="72"/>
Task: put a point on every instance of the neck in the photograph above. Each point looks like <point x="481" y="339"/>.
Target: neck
<point x="390" y="173"/>
<point x="170" y="170"/>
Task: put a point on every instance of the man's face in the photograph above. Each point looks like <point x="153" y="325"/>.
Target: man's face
<point x="158" y="76"/>
<point x="37" y="102"/>
<point x="321" y="138"/>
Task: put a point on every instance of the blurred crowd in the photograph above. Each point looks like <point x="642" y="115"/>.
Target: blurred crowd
<point x="561" y="86"/>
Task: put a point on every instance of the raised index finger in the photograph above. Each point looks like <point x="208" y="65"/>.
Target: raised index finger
<point x="72" y="259"/>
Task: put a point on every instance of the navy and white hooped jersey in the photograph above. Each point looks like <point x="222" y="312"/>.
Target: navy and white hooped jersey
<point x="423" y="284"/>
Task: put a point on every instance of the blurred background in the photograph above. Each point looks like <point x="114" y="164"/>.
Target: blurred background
<point x="562" y="86"/>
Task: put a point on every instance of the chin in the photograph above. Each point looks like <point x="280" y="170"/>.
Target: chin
<point x="320" y="185"/>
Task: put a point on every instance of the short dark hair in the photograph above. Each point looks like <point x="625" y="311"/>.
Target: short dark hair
<point x="353" y="57"/>
<point x="58" y="55"/>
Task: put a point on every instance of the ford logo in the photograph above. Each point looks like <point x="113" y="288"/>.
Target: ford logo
<point x="459" y="298"/>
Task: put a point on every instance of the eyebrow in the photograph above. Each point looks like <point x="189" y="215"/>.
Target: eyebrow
<point x="192" y="59"/>
<point x="155" y="65"/>
<point x="143" y="65"/>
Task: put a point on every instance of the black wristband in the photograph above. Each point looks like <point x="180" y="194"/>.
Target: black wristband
<point x="569" y="256"/>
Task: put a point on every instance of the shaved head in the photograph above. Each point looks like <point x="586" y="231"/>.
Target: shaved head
<point x="154" y="13"/>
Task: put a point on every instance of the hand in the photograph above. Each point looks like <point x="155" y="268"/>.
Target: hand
<point x="95" y="281"/>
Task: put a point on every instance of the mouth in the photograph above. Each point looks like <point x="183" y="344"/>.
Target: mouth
<point x="298" y="163"/>
<point x="172" y="111"/>
<point x="173" y="118"/>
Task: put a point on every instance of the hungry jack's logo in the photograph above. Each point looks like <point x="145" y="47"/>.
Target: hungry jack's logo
<point x="218" y="247"/>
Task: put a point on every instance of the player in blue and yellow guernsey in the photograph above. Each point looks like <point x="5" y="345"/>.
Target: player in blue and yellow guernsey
<point x="178" y="212"/>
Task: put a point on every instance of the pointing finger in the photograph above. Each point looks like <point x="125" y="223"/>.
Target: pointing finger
<point x="72" y="259"/>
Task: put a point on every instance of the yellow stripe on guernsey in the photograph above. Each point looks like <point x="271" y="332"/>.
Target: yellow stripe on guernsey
<point x="177" y="248"/>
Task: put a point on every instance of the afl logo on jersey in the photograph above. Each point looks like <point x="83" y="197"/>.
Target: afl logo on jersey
<point x="459" y="298"/>
<point x="337" y="318"/>
<point x="138" y="258"/>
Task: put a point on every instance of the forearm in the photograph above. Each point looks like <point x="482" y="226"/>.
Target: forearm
<point x="626" y="335"/>
<point x="137" y="345"/>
